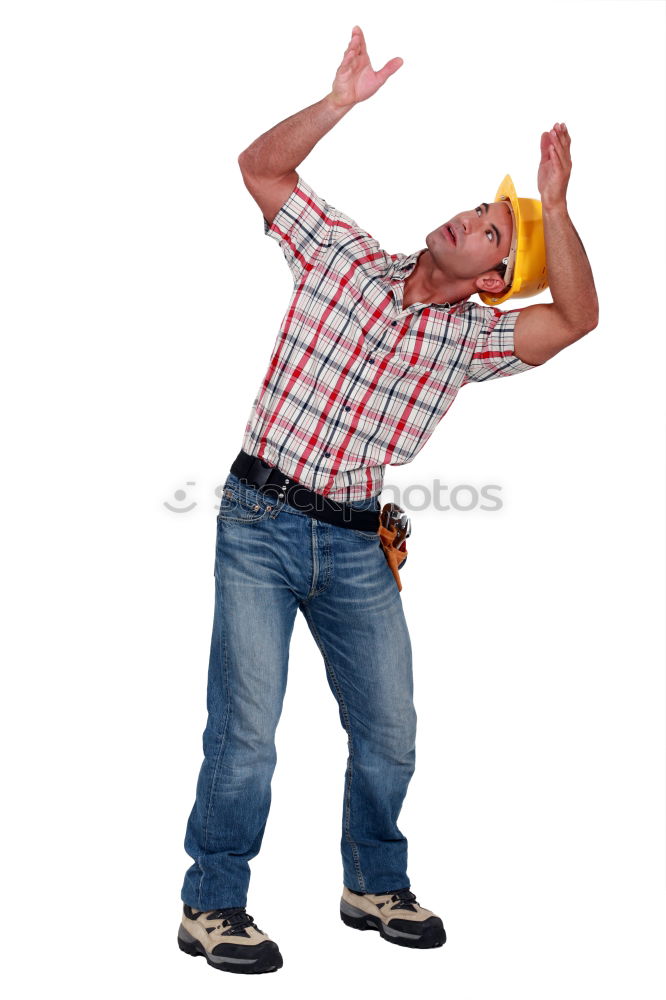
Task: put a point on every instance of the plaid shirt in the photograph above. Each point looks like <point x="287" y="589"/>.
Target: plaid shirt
<point x="356" y="382"/>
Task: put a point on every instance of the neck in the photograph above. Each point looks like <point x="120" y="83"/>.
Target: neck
<point x="427" y="283"/>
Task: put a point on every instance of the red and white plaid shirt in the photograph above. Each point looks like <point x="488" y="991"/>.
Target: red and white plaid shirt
<point x="356" y="382"/>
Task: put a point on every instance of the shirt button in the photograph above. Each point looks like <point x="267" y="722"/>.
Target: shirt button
<point x="347" y="407"/>
<point x="371" y="361"/>
<point x="394" y="323"/>
<point x="327" y="454"/>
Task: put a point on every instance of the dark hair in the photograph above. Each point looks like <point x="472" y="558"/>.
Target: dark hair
<point x="500" y="268"/>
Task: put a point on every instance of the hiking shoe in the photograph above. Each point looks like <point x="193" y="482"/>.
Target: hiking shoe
<point x="396" y="915"/>
<point x="228" y="939"/>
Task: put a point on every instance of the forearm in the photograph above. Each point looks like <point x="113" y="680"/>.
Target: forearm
<point x="281" y="149"/>
<point x="569" y="272"/>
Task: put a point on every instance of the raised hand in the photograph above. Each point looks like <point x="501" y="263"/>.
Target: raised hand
<point x="555" y="166"/>
<point x="355" y="79"/>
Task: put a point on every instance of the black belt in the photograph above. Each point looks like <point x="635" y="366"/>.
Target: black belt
<point x="271" y="481"/>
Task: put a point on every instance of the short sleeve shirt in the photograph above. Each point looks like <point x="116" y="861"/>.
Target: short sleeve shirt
<point x="356" y="381"/>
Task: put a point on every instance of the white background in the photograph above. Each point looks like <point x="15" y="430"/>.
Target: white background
<point x="140" y="304"/>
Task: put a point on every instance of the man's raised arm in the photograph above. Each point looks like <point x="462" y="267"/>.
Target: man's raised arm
<point x="269" y="164"/>
<point x="543" y="330"/>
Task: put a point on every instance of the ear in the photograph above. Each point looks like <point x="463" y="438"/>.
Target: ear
<point x="489" y="282"/>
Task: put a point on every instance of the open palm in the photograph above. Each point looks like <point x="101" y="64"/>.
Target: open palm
<point x="355" y="79"/>
<point x="555" y="165"/>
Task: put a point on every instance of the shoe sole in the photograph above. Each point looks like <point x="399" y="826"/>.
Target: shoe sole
<point x="433" y="937"/>
<point x="267" y="956"/>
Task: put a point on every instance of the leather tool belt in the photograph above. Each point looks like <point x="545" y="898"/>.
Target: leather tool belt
<point x="394" y="530"/>
<point x="271" y="481"/>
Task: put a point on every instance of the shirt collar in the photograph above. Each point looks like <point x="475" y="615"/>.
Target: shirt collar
<point x="402" y="267"/>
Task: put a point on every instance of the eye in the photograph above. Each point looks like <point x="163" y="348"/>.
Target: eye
<point x="489" y="232"/>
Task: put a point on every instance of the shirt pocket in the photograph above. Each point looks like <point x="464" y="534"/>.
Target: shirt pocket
<point x="425" y="339"/>
<point x="427" y="349"/>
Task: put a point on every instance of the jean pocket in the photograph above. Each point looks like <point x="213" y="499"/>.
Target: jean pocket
<point x="244" y="505"/>
<point x="368" y="535"/>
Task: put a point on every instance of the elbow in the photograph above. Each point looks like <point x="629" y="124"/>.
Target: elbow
<point x="589" y="323"/>
<point x="594" y="317"/>
<point x="588" y="315"/>
<point x="244" y="162"/>
<point x="592" y="323"/>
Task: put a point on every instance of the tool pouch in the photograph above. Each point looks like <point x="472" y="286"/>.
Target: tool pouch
<point x="393" y="533"/>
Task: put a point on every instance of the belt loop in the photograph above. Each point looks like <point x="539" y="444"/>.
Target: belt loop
<point x="259" y="472"/>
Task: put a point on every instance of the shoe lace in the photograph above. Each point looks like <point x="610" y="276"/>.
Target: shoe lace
<point x="404" y="896"/>
<point x="232" y="916"/>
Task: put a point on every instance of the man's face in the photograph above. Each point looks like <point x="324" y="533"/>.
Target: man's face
<point x="481" y="237"/>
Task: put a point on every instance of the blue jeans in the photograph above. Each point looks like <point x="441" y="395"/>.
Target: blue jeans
<point x="270" y="561"/>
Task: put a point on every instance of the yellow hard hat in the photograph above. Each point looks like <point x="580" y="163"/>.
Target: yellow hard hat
<point x="526" y="271"/>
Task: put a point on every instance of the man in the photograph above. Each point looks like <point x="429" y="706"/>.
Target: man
<point x="371" y="353"/>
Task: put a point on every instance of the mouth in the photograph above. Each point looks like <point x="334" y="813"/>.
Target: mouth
<point x="450" y="234"/>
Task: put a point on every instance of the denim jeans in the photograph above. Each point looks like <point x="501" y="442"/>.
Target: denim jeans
<point x="272" y="560"/>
